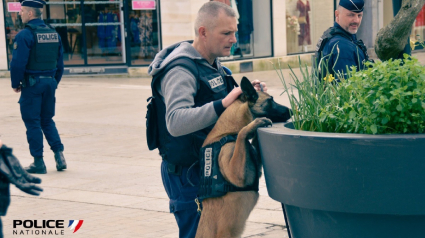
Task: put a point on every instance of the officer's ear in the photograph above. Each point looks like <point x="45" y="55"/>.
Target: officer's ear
<point x="202" y="33"/>
<point x="336" y="15"/>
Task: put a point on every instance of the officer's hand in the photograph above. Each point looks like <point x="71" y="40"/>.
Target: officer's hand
<point x="256" y="83"/>
<point x="17" y="90"/>
<point x="15" y="174"/>
<point x="231" y="97"/>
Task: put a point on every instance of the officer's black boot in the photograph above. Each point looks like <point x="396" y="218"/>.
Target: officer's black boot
<point x="60" y="161"/>
<point x="37" y="167"/>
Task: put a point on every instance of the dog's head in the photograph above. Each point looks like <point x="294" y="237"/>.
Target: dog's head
<point x="262" y="104"/>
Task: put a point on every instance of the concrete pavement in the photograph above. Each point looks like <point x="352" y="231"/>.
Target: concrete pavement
<point x="113" y="181"/>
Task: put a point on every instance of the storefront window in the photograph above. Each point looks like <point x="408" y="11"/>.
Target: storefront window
<point x="143" y="33"/>
<point x="254" y="29"/>
<point x="13" y="24"/>
<point x="93" y="32"/>
<point x="305" y="23"/>
<point x="418" y="30"/>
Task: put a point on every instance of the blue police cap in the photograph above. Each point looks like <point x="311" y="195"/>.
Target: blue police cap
<point x="32" y="3"/>
<point x="352" y="5"/>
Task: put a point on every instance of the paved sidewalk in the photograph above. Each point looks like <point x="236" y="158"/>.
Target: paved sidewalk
<point x="113" y="181"/>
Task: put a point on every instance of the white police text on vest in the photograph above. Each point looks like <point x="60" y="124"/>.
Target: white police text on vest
<point x="215" y="82"/>
<point x="47" y="38"/>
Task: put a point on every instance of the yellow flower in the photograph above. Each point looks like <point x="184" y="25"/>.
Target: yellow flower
<point x="412" y="44"/>
<point x="329" y="78"/>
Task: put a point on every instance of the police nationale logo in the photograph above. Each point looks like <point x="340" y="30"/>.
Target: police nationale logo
<point x="215" y="82"/>
<point x="47" y="38"/>
<point x="74" y="225"/>
<point x="24" y="228"/>
<point x="38" y="227"/>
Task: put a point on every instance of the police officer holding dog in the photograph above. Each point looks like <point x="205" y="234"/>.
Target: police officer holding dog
<point x="191" y="89"/>
<point x="339" y="47"/>
<point x="36" y="70"/>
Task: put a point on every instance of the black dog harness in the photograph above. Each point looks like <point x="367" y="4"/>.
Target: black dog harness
<point x="212" y="183"/>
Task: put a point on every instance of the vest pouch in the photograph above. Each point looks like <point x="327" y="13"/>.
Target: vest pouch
<point x="152" y="132"/>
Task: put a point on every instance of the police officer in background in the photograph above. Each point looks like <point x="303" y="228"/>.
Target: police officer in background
<point x="339" y="47"/>
<point x="36" y="70"/>
<point x="191" y="89"/>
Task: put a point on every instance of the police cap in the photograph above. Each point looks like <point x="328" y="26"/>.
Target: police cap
<point x="352" y="5"/>
<point x="32" y="3"/>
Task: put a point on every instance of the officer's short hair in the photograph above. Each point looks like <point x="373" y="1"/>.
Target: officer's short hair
<point x="208" y="14"/>
<point x="38" y="12"/>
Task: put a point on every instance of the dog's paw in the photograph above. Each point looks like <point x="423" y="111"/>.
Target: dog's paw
<point x="262" y="122"/>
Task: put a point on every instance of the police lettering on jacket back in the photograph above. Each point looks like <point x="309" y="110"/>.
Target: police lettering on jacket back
<point x="47" y="38"/>
<point x="45" y="51"/>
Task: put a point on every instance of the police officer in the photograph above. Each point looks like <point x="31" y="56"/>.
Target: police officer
<point x="339" y="47"/>
<point x="191" y="90"/>
<point x="36" y="70"/>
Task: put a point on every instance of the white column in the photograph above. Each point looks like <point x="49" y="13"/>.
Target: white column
<point x="279" y="29"/>
<point x="3" y="50"/>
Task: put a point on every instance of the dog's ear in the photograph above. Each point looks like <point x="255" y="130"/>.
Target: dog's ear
<point x="248" y="91"/>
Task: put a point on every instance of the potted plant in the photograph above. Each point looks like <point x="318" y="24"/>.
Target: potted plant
<point x="352" y="161"/>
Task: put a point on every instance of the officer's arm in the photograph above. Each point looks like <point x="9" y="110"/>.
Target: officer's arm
<point x="179" y="88"/>
<point x="60" y="66"/>
<point x="22" y="46"/>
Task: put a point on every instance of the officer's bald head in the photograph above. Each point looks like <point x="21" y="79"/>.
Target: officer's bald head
<point x="209" y="13"/>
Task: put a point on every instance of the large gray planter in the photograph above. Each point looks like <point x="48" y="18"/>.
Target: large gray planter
<point x="346" y="185"/>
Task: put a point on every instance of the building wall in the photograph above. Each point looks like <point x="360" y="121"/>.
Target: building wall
<point x="321" y="18"/>
<point x="3" y="51"/>
<point x="177" y="19"/>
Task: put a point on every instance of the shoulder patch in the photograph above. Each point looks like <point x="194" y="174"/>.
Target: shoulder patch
<point x="15" y="45"/>
<point x="319" y="43"/>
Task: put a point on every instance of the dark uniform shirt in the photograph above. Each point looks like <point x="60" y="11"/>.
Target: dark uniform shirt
<point x="23" y="43"/>
<point x="349" y="53"/>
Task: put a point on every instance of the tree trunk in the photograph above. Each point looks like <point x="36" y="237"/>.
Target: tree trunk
<point x="392" y="39"/>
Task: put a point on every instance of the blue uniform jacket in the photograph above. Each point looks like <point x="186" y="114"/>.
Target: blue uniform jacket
<point x="349" y="53"/>
<point x="24" y="41"/>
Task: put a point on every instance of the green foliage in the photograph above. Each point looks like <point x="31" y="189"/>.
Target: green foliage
<point x="386" y="98"/>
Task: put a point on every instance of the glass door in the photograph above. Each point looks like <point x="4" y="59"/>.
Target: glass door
<point x="91" y="31"/>
<point x="142" y="31"/>
<point x="104" y="30"/>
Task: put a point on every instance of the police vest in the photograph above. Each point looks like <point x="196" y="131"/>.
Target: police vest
<point x="213" y="85"/>
<point x="212" y="183"/>
<point x="45" y="51"/>
<point x="330" y="33"/>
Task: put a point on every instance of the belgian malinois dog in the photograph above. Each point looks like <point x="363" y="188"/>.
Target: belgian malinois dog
<point x="226" y="216"/>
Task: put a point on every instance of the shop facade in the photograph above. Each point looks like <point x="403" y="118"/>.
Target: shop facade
<point x="113" y="36"/>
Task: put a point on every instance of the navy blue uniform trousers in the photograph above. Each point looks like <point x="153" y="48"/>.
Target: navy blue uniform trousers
<point x="37" y="105"/>
<point x="182" y="198"/>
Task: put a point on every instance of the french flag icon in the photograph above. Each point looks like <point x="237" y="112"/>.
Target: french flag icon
<point x="75" y="225"/>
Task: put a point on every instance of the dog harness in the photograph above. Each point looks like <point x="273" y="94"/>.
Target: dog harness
<point x="212" y="182"/>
